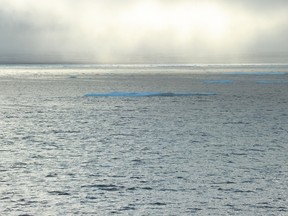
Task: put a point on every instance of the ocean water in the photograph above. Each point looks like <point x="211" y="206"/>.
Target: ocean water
<point x="144" y="140"/>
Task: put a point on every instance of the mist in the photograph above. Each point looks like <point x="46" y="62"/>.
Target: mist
<point x="70" y="31"/>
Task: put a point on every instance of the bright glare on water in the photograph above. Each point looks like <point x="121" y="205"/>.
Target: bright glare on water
<point x="220" y="150"/>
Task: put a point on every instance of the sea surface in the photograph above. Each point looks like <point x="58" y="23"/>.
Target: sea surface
<point x="144" y="140"/>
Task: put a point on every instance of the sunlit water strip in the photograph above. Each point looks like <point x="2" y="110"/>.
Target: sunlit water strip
<point x="78" y="69"/>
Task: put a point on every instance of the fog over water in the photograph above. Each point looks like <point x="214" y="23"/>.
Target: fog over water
<point x="141" y="31"/>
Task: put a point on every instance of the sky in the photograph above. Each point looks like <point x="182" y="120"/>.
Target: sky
<point x="144" y="31"/>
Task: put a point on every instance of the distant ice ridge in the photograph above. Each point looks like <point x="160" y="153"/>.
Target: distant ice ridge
<point x="149" y="94"/>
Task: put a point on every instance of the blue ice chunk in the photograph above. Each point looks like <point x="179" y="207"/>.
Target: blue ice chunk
<point x="255" y="73"/>
<point x="272" y="81"/>
<point x="149" y="94"/>
<point x="218" y="81"/>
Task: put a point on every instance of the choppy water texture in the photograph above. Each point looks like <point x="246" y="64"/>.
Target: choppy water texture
<point x="63" y="153"/>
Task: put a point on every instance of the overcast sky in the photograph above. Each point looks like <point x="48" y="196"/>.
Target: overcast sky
<point x="144" y="31"/>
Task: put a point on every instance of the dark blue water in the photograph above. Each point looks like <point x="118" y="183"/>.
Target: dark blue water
<point x="222" y="151"/>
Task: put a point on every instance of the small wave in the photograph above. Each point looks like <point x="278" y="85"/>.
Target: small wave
<point x="158" y="203"/>
<point x="194" y="210"/>
<point x="146" y="188"/>
<point x="50" y="175"/>
<point x="149" y="94"/>
<point x="65" y="131"/>
<point x="105" y="187"/>
<point x="128" y="208"/>
<point x="60" y="193"/>
<point x="235" y="190"/>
